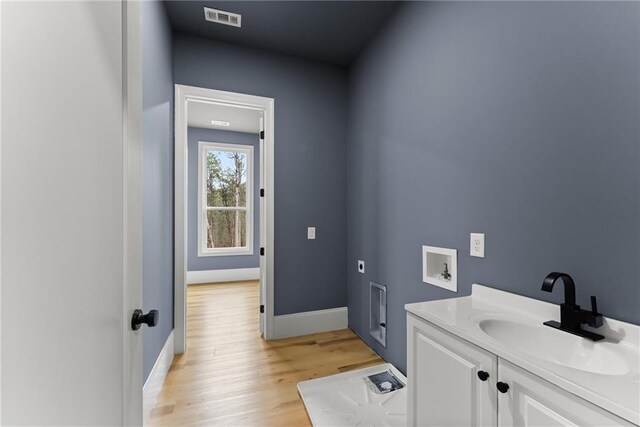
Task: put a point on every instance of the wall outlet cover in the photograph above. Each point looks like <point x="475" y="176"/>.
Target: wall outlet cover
<point x="477" y="245"/>
<point x="311" y="233"/>
<point x="360" y="266"/>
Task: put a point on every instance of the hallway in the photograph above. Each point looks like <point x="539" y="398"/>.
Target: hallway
<point x="231" y="376"/>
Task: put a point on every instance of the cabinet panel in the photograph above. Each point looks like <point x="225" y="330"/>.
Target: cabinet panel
<point x="532" y="401"/>
<point x="444" y="388"/>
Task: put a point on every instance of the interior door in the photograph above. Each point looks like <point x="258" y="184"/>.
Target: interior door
<point x="71" y="215"/>
<point x="263" y="231"/>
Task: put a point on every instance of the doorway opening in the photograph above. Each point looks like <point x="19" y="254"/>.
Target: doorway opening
<point x="224" y="150"/>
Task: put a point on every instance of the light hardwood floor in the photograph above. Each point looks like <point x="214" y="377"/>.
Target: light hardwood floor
<point x="230" y="376"/>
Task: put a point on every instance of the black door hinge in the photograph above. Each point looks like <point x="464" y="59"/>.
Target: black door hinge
<point x="261" y="251"/>
<point x="261" y="134"/>
<point x="262" y="192"/>
<point x="262" y="308"/>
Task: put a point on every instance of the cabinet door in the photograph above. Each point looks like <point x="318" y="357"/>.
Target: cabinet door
<point x="533" y="401"/>
<point x="444" y="388"/>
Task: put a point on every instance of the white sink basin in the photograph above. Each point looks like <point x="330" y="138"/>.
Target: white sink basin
<point x="552" y="345"/>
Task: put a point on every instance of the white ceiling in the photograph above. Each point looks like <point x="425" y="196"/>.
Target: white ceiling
<point x="200" y="114"/>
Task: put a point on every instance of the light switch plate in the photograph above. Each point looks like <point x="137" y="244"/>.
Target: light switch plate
<point x="360" y="266"/>
<point x="477" y="245"/>
<point x="311" y="233"/>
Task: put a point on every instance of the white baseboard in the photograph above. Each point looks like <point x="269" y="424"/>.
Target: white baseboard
<point x="153" y="385"/>
<point x="228" y="275"/>
<point x="310" y="322"/>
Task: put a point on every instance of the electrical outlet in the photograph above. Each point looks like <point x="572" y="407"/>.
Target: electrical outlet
<point x="311" y="233"/>
<point x="477" y="245"/>
<point x="360" y="266"/>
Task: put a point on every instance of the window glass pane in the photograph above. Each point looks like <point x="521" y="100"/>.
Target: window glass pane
<point x="226" y="229"/>
<point x="226" y="178"/>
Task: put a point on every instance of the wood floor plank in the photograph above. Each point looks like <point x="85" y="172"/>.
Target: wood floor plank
<point x="230" y="376"/>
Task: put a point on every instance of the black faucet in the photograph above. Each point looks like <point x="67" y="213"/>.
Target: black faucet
<point x="571" y="315"/>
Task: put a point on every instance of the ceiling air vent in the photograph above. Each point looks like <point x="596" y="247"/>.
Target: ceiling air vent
<point x="222" y="17"/>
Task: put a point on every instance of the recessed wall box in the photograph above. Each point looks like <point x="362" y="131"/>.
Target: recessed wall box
<point x="378" y="312"/>
<point x="440" y="267"/>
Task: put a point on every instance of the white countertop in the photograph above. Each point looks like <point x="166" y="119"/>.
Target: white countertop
<point x="619" y="394"/>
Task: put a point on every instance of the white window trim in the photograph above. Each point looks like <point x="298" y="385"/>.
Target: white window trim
<point x="203" y="251"/>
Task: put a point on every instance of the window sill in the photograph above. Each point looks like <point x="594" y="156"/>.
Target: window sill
<point x="232" y="252"/>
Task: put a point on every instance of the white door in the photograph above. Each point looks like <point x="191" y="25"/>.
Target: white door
<point x="263" y="231"/>
<point x="531" y="401"/>
<point x="443" y="382"/>
<point x="71" y="214"/>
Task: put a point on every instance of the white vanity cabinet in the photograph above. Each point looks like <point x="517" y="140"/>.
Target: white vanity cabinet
<point x="442" y="376"/>
<point x="532" y="401"/>
<point x="444" y="388"/>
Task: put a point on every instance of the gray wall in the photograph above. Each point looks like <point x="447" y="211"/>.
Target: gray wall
<point x="195" y="263"/>
<point x="310" y="159"/>
<point x="519" y="120"/>
<point x="157" y="176"/>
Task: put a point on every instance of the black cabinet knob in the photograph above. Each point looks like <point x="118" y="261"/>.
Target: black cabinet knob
<point x="483" y="375"/>
<point x="502" y="387"/>
<point x="150" y="319"/>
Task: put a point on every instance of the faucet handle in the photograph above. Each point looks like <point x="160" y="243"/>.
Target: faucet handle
<point x="594" y="305"/>
<point x="595" y="319"/>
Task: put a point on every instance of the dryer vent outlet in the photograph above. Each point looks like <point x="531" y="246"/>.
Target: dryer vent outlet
<point x="378" y="312"/>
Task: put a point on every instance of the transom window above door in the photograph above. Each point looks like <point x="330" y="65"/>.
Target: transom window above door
<point x="225" y="196"/>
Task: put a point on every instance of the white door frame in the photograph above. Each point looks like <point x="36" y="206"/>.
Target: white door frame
<point x="184" y="94"/>
<point x="0" y="217"/>
<point x="132" y="171"/>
